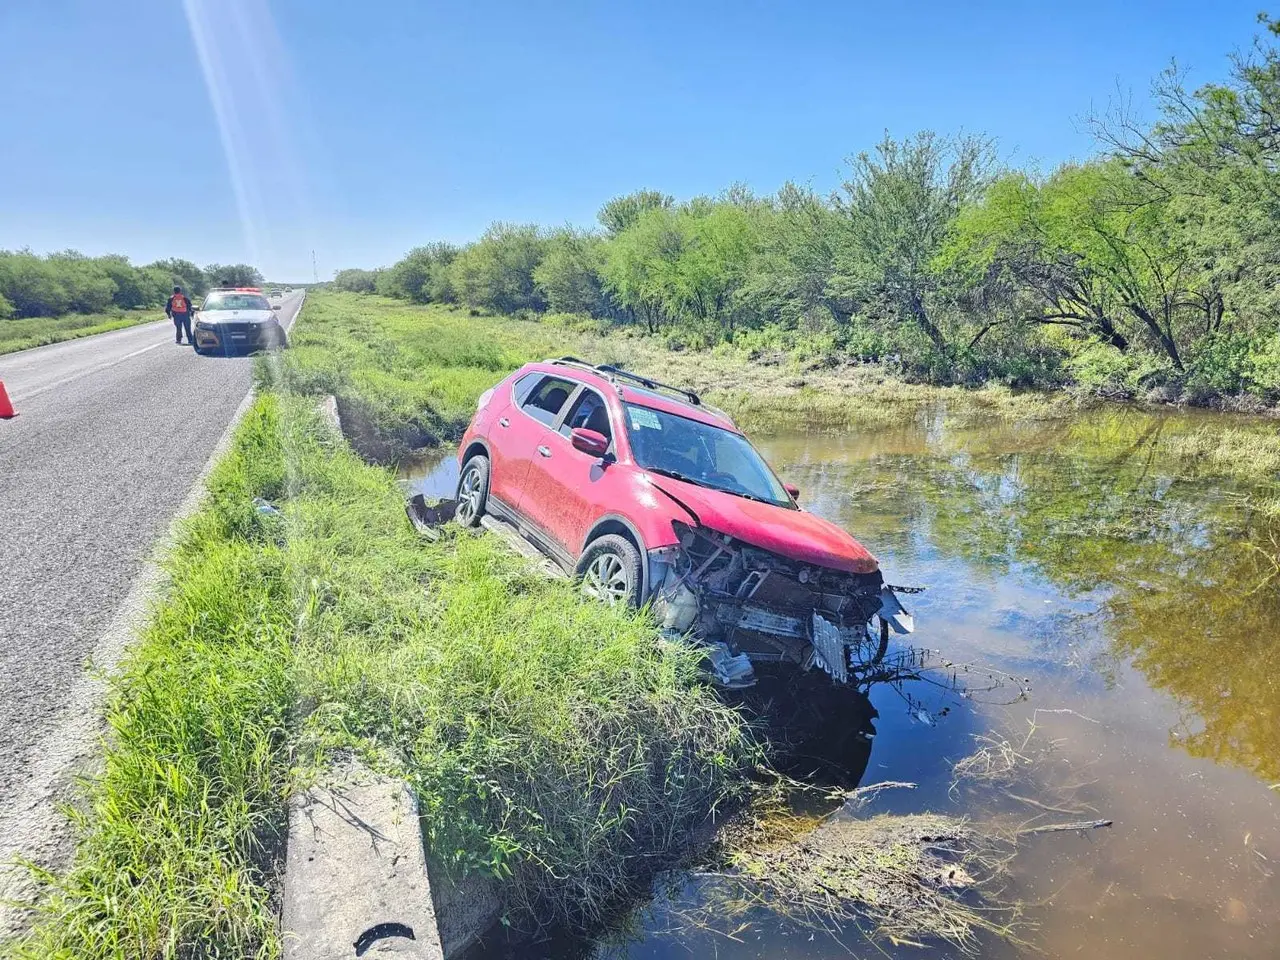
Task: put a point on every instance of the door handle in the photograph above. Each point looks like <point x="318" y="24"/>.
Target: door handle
<point x="504" y="422"/>
<point x="545" y="451"/>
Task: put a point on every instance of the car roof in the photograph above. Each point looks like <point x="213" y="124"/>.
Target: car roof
<point x="637" y="395"/>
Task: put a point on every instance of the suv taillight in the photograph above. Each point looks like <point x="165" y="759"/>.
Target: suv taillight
<point x="484" y="399"/>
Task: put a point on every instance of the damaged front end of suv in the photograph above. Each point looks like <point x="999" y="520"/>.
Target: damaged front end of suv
<point x="750" y="606"/>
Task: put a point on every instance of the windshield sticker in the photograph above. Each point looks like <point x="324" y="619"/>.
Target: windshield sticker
<point x="643" y="419"/>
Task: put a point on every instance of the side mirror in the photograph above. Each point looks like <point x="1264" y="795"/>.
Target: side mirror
<point x="590" y="442"/>
<point x="275" y="306"/>
<point x="792" y="489"/>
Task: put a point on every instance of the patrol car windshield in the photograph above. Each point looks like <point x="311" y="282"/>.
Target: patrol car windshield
<point x="236" y="301"/>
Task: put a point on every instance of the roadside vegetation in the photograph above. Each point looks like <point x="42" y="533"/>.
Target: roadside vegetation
<point x="70" y="283"/>
<point x="39" y="331"/>
<point x="1149" y="271"/>
<point x="406" y="376"/>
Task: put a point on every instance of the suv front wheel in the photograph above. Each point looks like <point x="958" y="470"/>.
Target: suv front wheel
<point x="610" y="570"/>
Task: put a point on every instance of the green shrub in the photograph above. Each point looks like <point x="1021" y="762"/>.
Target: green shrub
<point x="1264" y="365"/>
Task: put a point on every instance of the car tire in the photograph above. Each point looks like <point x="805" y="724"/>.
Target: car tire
<point x="610" y="570"/>
<point x="473" y="491"/>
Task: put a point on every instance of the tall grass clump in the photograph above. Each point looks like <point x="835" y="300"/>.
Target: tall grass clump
<point x="554" y="743"/>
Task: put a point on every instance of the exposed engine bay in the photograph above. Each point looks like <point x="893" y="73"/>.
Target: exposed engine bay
<point x="750" y="606"/>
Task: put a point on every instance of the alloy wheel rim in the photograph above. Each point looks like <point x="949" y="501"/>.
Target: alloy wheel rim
<point x="607" y="579"/>
<point x="469" y="495"/>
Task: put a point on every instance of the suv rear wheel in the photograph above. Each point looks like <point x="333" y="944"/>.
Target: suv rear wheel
<point x="610" y="570"/>
<point x="473" y="491"/>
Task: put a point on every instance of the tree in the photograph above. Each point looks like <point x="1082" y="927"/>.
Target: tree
<point x="86" y="284"/>
<point x="1015" y="247"/>
<point x="1213" y="160"/>
<point x="422" y="276"/>
<point x="496" y="272"/>
<point x="1096" y="249"/>
<point x="792" y="274"/>
<point x="640" y="264"/>
<point x="134" y="287"/>
<point x="569" y="275"/>
<point x="356" y="281"/>
<point x="232" y="275"/>
<point x="898" y="207"/>
<point x="621" y="212"/>
<point x="683" y="263"/>
<point x="184" y="274"/>
<point x="718" y="244"/>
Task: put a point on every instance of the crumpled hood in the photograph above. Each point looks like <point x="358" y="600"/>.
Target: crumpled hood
<point x="795" y="534"/>
<point x="237" y="316"/>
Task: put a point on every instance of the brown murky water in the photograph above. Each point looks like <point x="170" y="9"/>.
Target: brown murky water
<point x="1142" y="604"/>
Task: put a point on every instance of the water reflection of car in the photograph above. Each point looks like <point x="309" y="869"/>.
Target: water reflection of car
<point x="238" y="320"/>
<point x="650" y="496"/>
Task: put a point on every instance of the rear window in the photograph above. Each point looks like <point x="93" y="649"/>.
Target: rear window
<point x="544" y="401"/>
<point x="236" y="301"/>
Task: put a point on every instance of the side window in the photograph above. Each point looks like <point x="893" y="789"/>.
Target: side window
<point x="546" y="398"/>
<point x="524" y="386"/>
<point x="590" y="413"/>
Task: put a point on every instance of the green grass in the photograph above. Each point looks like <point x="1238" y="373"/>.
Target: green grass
<point x="38" y="331"/>
<point x="554" y="743"/>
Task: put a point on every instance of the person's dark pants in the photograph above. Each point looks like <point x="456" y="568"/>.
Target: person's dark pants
<point x="181" y="322"/>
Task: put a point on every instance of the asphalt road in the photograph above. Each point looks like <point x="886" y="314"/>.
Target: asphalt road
<point x="112" y="432"/>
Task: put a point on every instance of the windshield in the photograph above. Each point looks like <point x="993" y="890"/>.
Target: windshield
<point x="700" y="453"/>
<point x="236" y="301"/>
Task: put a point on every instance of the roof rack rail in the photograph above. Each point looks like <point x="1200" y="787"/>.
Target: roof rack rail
<point x="611" y="372"/>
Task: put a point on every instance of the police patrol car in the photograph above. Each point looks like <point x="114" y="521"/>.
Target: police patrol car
<point x="237" y="320"/>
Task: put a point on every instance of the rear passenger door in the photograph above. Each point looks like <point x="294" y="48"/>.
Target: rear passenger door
<point x="537" y="402"/>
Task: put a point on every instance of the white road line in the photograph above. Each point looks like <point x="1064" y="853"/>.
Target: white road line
<point x="84" y="373"/>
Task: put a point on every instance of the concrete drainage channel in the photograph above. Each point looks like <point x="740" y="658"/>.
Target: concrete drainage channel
<point x="356" y="882"/>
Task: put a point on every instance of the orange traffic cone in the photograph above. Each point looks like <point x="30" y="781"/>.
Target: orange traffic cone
<point x="6" y="408"/>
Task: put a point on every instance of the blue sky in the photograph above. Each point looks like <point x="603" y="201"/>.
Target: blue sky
<point x="227" y="130"/>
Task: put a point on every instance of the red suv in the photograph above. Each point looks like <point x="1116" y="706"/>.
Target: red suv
<point x="649" y="495"/>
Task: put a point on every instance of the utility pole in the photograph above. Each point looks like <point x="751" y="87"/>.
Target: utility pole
<point x="315" y="274"/>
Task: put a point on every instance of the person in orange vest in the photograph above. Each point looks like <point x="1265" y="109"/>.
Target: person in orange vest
<point x="178" y="309"/>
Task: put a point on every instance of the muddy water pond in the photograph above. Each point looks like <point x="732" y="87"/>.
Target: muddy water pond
<point x="1137" y="599"/>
